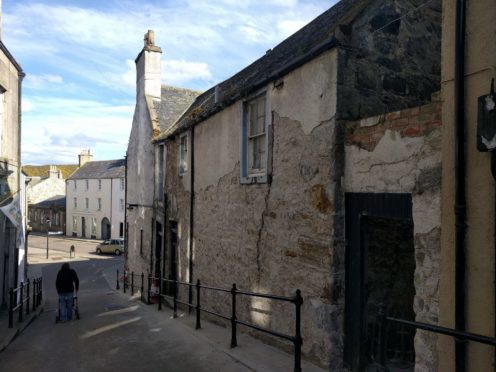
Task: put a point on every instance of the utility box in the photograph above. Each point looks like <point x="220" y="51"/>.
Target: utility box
<point x="486" y="121"/>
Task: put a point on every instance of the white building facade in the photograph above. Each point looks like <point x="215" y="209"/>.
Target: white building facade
<point x="95" y="200"/>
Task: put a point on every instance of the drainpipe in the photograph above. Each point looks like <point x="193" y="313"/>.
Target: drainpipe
<point x="125" y="210"/>
<point x="460" y="185"/>
<point x="21" y="75"/>
<point x="191" y="214"/>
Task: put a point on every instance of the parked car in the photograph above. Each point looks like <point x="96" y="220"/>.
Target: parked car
<point x="111" y="246"/>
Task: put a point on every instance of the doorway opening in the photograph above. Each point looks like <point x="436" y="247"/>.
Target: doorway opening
<point x="105" y="228"/>
<point x="380" y="266"/>
<point x="172" y="254"/>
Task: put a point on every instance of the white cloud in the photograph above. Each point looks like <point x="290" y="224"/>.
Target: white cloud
<point x="40" y="81"/>
<point x="176" y="72"/>
<point x="27" y="106"/>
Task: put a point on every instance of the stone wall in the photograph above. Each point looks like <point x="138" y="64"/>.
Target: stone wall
<point x="271" y="237"/>
<point x="392" y="58"/>
<point x="401" y="152"/>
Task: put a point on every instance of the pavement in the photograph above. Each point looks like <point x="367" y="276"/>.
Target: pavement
<point x="117" y="331"/>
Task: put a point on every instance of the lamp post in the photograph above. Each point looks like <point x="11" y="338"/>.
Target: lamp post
<point x="47" y="225"/>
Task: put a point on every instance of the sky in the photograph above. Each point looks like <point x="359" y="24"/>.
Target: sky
<point x="78" y="56"/>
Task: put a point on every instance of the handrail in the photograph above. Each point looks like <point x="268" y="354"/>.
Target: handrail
<point x="458" y="335"/>
<point x="20" y="299"/>
<point x="297" y="300"/>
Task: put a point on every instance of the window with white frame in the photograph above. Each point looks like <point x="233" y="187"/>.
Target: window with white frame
<point x="99" y="200"/>
<point x="74" y="224"/>
<point x="254" y="140"/>
<point x="87" y="185"/>
<point x="99" y="184"/>
<point x="75" y="202"/>
<point x="87" y="202"/>
<point x="159" y="172"/>
<point x="121" y="203"/>
<point x="183" y="154"/>
<point x="123" y="184"/>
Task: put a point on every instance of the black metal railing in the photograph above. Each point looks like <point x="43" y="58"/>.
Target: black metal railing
<point x="383" y="319"/>
<point x="234" y="292"/>
<point x="131" y="282"/>
<point x="23" y="297"/>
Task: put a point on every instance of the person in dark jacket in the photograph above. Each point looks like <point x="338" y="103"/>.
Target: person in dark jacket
<point x="67" y="281"/>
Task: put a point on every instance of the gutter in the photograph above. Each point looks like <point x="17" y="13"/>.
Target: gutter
<point x="460" y="185"/>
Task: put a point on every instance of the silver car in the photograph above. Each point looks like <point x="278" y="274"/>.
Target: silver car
<point x="111" y="246"/>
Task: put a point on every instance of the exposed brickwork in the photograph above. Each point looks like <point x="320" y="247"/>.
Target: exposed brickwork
<point x="413" y="122"/>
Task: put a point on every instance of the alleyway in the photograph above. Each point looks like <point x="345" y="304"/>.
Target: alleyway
<point x="116" y="332"/>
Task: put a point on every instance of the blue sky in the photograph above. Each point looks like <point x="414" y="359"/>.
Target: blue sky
<point x="79" y="91"/>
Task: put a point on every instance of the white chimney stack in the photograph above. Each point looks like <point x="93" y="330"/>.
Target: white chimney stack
<point x="148" y="68"/>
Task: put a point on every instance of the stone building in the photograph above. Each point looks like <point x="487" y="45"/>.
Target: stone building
<point x="51" y="209"/>
<point x="45" y="188"/>
<point x="12" y="217"/>
<point x="157" y="107"/>
<point x="95" y="199"/>
<point x="265" y="175"/>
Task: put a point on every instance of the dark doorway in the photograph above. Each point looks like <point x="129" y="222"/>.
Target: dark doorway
<point x="380" y="265"/>
<point x="172" y="255"/>
<point x="105" y="228"/>
<point x="83" y="227"/>
<point x="158" y="249"/>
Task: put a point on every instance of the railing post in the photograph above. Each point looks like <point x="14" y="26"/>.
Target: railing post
<point x="234" y="339"/>
<point x="28" y="298"/>
<point x="160" y="291"/>
<point x="11" y="307"/>
<point x="142" y="285"/>
<point x="149" y="288"/>
<point x="41" y="290"/>
<point x="298" y="341"/>
<point x="132" y="283"/>
<point x="35" y="287"/>
<point x="381" y="335"/>
<point x="117" y="281"/>
<point x="21" y="301"/>
<point x="175" y="298"/>
<point x="198" y="324"/>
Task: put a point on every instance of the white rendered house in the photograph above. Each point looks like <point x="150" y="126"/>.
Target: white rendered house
<point x="95" y="200"/>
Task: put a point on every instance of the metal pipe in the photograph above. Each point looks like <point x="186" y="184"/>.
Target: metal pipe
<point x="191" y="214"/>
<point x="460" y="184"/>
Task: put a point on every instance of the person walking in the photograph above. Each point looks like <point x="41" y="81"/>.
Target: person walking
<point x="67" y="281"/>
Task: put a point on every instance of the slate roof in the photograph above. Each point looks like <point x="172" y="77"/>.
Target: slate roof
<point x="306" y="44"/>
<point x="57" y="200"/>
<point x="100" y="169"/>
<point x="174" y="101"/>
<point x="42" y="170"/>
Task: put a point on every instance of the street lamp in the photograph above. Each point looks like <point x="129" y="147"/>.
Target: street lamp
<point x="47" y="225"/>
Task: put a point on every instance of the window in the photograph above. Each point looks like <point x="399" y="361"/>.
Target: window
<point x="123" y="184"/>
<point x="254" y="143"/>
<point x="183" y="154"/>
<point x="35" y="216"/>
<point x="159" y="173"/>
<point x="42" y="218"/>
<point x="93" y="226"/>
<point x="87" y="202"/>
<point x="57" y="220"/>
<point x="99" y="184"/>
<point x="75" y="202"/>
<point x="121" y="203"/>
<point x="75" y="184"/>
<point x="99" y="204"/>
<point x="141" y="241"/>
<point x="87" y="185"/>
<point x="121" y="229"/>
<point x="74" y="224"/>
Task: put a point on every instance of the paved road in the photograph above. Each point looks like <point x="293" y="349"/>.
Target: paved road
<point x="114" y="333"/>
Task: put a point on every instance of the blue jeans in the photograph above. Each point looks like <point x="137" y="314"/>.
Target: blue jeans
<point x="66" y="301"/>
